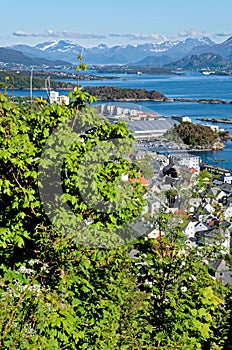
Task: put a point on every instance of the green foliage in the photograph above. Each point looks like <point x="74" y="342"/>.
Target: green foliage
<point x="183" y="299"/>
<point x="89" y="300"/>
<point x="81" y="67"/>
<point x="204" y="180"/>
<point x="23" y="136"/>
<point x="81" y="98"/>
<point x="171" y="196"/>
<point x="55" y="292"/>
<point x="145" y="168"/>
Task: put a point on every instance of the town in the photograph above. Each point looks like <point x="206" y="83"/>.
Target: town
<point x="170" y="174"/>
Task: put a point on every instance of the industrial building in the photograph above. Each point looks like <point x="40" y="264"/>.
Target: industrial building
<point x="150" y="129"/>
<point x="145" y="125"/>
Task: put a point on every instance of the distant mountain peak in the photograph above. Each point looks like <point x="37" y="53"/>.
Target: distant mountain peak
<point x="46" y="45"/>
<point x="202" y="40"/>
<point x="229" y="40"/>
<point x="102" y="46"/>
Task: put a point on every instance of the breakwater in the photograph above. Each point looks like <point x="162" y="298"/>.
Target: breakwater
<point x="215" y="120"/>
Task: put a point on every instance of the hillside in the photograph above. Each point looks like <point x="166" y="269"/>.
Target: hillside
<point x="206" y="60"/>
<point x="14" y="57"/>
<point x="154" y="60"/>
<point x="21" y="80"/>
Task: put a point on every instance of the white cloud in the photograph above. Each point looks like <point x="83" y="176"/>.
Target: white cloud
<point x="54" y="34"/>
<point x="161" y="37"/>
<point x="154" y="37"/>
<point x="192" y="33"/>
<point x="134" y="36"/>
<point x="223" y="34"/>
<point x="21" y="33"/>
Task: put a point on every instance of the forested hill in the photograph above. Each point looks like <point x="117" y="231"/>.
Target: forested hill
<point x="21" y="80"/>
<point x="14" y="57"/>
<point x="109" y="93"/>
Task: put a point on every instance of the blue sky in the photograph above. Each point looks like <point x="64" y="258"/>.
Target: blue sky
<point x="113" y="22"/>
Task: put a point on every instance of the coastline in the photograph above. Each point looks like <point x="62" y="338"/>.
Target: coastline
<point x="211" y="101"/>
<point x="169" y="100"/>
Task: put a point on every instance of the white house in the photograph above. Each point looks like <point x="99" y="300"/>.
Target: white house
<point x="55" y="97"/>
<point x="187" y="160"/>
<point x="227" y="178"/>
<point x="228" y="213"/>
<point x="190" y="229"/>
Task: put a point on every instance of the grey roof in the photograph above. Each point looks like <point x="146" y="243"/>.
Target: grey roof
<point x="217" y="182"/>
<point x="222" y="271"/>
<point x="151" y="125"/>
<point x="226" y="187"/>
<point x="144" y="227"/>
<point x="151" y="200"/>
<point x="169" y="180"/>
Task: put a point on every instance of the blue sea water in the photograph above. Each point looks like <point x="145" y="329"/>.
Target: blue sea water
<point x="190" y="85"/>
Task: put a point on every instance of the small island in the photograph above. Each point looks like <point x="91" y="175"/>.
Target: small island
<point x="197" y="137"/>
<point x="110" y="93"/>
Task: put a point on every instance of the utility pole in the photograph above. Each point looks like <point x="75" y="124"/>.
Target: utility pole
<point x="31" y="78"/>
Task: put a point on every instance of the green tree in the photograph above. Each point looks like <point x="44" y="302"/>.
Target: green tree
<point x="56" y="292"/>
<point x="145" y="168"/>
<point x="183" y="299"/>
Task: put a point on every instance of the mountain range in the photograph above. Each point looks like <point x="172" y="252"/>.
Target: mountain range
<point x="61" y="52"/>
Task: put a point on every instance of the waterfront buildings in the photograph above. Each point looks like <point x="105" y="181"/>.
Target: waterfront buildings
<point x="145" y="125"/>
<point x="55" y="97"/>
<point x="187" y="160"/>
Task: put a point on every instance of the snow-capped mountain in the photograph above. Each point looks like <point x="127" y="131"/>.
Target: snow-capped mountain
<point x="162" y="47"/>
<point x="46" y="45"/>
<point x="224" y="49"/>
<point x="59" y="46"/>
<point x="119" y="54"/>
